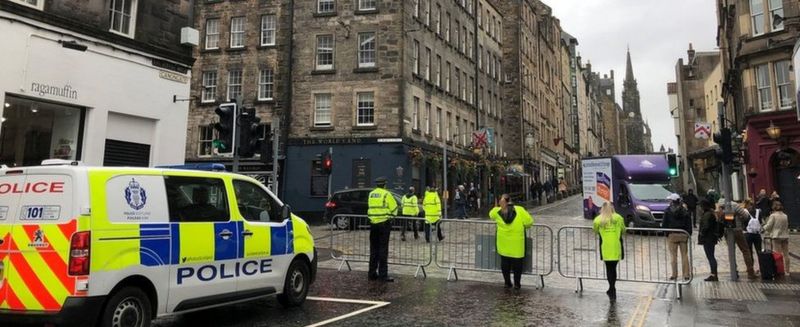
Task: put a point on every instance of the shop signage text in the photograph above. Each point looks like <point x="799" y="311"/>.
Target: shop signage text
<point x="65" y="91"/>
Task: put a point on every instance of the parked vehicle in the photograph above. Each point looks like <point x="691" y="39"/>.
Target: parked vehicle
<point x="638" y="185"/>
<point x="352" y="202"/>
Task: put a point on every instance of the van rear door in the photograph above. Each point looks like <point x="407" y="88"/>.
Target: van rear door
<point x="36" y="223"/>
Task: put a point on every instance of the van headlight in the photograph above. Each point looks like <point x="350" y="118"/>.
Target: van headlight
<point x="642" y="208"/>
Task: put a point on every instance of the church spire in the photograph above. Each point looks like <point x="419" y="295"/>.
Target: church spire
<point x="629" y="67"/>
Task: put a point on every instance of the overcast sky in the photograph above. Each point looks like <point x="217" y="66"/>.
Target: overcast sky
<point x="658" y="31"/>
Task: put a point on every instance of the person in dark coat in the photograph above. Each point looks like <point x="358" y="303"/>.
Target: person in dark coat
<point x="708" y="236"/>
<point x="691" y="203"/>
<point x="764" y="203"/>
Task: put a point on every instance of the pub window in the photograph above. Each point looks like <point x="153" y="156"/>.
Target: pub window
<point x="319" y="181"/>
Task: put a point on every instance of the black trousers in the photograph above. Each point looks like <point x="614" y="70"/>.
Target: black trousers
<point x="753" y="241"/>
<point x="379" y="249"/>
<point x="507" y="265"/>
<point x="693" y="215"/>
<point x="438" y="230"/>
<point x="412" y="224"/>
<point x="611" y="274"/>
<point x="712" y="260"/>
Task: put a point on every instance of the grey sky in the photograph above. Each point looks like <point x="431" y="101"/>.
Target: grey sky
<point x="658" y="31"/>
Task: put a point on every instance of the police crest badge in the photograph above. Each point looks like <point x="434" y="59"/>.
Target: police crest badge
<point x="135" y="195"/>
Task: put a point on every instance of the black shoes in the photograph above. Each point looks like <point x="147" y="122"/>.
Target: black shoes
<point x="387" y="279"/>
<point x="712" y="278"/>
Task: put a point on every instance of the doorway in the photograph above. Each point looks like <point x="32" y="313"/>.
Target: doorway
<point x="787" y="181"/>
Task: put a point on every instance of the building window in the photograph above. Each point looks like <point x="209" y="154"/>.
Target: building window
<point x="449" y="127"/>
<point x="427" y="7"/>
<point x="438" y="76"/>
<point x="209" y="91"/>
<point x="463" y="46"/>
<point x="764" y="90"/>
<point x="366" y="50"/>
<point x="415" y="58"/>
<point x="438" y="123"/>
<point x="326" y="6"/>
<point x="367" y="4"/>
<point x="438" y="19"/>
<point x="428" y="118"/>
<point x="205" y="144"/>
<point x="415" y="114"/>
<point x="366" y="109"/>
<point x="34" y="131"/>
<point x="416" y="8"/>
<point x="458" y="35"/>
<point x="324" y="52"/>
<point x="763" y="24"/>
<point x="464" y="87"/>
<point x="448" y="73"/>
<point x="212" y="34"/>
<point x="428" y="61"/>
<point x="266" y="83"/>
<point x="458" y="81"/>
<point x="447" y="28"/>
<point x="757" y="14"/>
<point x="458" y="128"/>
<point x="38" y="4"/>
<point x="234" y="85"/>
<point x="267" y="30"/>
<point x="122" y="16"/>
<point x="784" y="84"/>
<point x="237" y="32"/>
<point x="322" y="109"/>
<point x="775" y="8"/>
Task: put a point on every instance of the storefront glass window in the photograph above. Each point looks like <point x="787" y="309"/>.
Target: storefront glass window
<point x="33" y="131"/>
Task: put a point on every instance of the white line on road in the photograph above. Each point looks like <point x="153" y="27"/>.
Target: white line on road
<point x="373" y="305"/>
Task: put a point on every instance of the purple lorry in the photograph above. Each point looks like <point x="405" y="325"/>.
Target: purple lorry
<point x="637" y="185"/>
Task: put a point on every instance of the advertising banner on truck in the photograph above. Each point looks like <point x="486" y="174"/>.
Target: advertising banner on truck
<point x="597" y="186"/>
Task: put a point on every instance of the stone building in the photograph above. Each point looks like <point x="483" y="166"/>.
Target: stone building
<point x="612" y="139"/>
<point x="631" y="105"/>
<point x="389" y="85"/>
<point x="94" y="81"/>
<point x="551" y="113"/>
<point x="691" y="76"/>
<point x="569" y="108"/>
<point x="244" y="53"/>
<point x="757" y="39"/>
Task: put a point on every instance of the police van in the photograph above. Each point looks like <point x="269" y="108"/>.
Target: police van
<point x="120" y="246"/>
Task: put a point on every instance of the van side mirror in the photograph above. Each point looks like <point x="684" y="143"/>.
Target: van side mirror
<point x="286" y="211"/>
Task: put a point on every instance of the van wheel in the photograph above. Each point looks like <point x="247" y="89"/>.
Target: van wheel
<point x="129" y="307"/>
<point x="295" y="289"/>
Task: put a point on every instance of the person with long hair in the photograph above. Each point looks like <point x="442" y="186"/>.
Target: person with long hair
<point x="610" y="226"/>
<point x="777" y="229"/>
<point x="512" y="221"/>
<point x="708" y="236"/>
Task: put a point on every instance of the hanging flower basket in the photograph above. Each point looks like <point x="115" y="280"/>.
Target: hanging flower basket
<point x="416" y="156"/>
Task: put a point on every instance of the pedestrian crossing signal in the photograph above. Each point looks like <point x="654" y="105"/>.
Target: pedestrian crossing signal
<point x="672" y="161"/>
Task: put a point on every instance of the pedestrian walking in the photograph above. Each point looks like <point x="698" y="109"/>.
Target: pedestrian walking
<point x="708" y="236"/>
<point x="548" y="188"/>
<point x="512" y="221"/>
<point x="691" y="204"/>
<point x="432" y="206"/>
<point x="741" y="219"/>
<point x="472" y="195"/>
<point x="562" y="188"/>
<point x="537" y="192"/>
<point x="460" y="201"/>
<point x="753" y="230"/>
<point x="610" y="226"/>
<point x="382" y="206"/>
<point x="777" y="228"/>
<point x="764" y="204"/>
<point x="677" y="217"/>
<point x="410" y="209"/>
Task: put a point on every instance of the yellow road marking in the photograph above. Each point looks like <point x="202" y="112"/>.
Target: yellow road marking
<point x="373" y="305"/>
<point x="635" y="312"/>
<point x="640" y="314"/>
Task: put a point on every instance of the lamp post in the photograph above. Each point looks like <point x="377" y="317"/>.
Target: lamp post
<point x="773" y="131"/>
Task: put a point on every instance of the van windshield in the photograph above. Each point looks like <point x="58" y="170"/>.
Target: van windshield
<point x="651" y="192"/>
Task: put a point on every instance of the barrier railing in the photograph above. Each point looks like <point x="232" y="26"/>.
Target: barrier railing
<point x="471" y="245"/>
<point x="350" y="243"/>
<point x="647" y="257"/>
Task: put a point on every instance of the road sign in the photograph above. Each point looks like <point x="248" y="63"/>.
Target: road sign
<point x="702" y="131"/>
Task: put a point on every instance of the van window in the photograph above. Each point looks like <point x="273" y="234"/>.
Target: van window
<point x="196" y="199"/>
<point x="254" y="203"/>
<point x="136" y="199"/>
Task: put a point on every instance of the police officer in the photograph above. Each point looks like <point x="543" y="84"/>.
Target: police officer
<point x="410" y="209"/>
<point x="512" y="221"/>
<point x="433" y="213"/>
<point x="382" y="206"/>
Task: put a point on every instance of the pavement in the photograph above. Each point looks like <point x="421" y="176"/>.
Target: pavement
<point x="346" y="298"/>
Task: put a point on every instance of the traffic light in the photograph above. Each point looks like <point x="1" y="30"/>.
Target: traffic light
<point x="723" y="139"/>
<point x="672" y="162"/>
<point x="248" y="135"/>
<point x="225" y="127"/>
<point x="266" y="148"/>
<point x="327" y="163"/>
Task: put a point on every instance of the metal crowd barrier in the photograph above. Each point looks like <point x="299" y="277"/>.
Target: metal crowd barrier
<point x="351" y="244"/>
<point x="646" y="256"/>
<point x="471" y="245"/>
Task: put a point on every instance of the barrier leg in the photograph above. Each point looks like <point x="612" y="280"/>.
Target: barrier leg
<point x="452" y="273"/>
<point x="578" y="285"/>
<point x="678" y="291"/>
<point x="421" y="268"/>
<point x="541" y="279"/>
<point x="344" y="262"/>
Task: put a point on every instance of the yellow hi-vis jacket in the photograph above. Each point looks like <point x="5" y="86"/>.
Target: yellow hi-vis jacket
<point x="432" y="206"/>
<point x="410" y="206"/>
<point x="382" y="205"/>
<point x="511" y="237"/>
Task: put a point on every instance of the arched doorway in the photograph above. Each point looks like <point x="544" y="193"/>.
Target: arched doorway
<point x="786" y="166"/>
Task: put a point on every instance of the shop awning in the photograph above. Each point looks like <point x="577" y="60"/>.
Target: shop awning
<point x="704" y="153"/>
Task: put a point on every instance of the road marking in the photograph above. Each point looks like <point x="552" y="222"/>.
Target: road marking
<point x="642" y="309"/>
<point x="373" y="305"/>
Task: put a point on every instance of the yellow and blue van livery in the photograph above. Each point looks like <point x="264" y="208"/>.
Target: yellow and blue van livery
<point x="99" y="246"/>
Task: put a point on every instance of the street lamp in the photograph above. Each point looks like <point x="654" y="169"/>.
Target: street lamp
<point x="773" y="131"/>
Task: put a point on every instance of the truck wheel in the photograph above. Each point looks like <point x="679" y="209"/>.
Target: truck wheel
<point x="129" y="307"/>
<point x="295" y="288"/>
